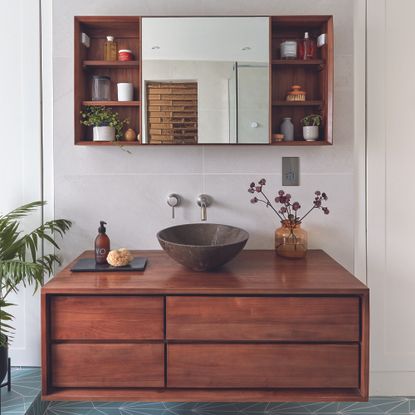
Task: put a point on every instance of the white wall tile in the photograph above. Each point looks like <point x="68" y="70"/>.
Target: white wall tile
<point x="129" y="190"/>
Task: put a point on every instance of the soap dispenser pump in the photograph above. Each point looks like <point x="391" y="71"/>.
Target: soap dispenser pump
<point x="102" y="244"/>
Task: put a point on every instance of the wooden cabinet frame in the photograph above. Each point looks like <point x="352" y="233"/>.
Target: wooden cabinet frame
<point x="174" y="359"/>
<point x="317" y="75"/>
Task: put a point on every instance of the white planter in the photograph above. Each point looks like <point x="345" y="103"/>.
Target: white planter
<point x="310" y="133"/>
<point x="104" y="133"/>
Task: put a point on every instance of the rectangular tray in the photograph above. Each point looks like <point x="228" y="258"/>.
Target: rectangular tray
<point x="89" y="265"/>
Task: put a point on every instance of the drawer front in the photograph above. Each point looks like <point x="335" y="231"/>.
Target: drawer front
<point x="262" y="366"/>
<point x="263" y="318"/>
<point x="107" y="365"/>
<point x="106" y="318"/>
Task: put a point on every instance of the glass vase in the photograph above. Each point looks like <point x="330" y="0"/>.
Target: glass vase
<point x="291" y="240"/>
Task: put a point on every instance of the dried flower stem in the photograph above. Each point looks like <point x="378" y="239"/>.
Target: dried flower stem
<point x="268" y="203"/>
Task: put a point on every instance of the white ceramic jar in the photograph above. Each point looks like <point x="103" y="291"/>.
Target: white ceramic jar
<point x="125" y="91"/>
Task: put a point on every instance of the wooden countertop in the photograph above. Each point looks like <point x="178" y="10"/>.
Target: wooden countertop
<point x="256" y="272"/>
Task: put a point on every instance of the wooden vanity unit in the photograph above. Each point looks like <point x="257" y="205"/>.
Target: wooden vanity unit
<point x="261" y="328"/>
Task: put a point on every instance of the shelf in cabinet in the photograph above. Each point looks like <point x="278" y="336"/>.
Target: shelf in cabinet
<point x="110" y="64"/>
<point x="111" y="103"/>
<point x="301" y="142"/>
<point x="108" y="143"/>
<point x="297" y="103"/>
<point x="300" y="62"/>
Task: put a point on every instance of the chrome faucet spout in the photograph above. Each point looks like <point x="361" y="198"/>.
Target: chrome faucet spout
<point x="203" y="201"/>
<point x="203" y="216"/>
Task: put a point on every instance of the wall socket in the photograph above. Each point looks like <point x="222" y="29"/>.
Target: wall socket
<point x="291" y="171"/>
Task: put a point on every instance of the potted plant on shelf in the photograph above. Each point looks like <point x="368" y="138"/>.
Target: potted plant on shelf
<point x="311" y="127"/>
<point x="106" y="124"/>
<point x="22" y="263"/>
<point x="290" y="238"/>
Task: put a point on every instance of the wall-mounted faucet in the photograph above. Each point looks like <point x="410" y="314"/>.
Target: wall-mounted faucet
<point x="173" y="200"/>
<point x="204" y="201"/>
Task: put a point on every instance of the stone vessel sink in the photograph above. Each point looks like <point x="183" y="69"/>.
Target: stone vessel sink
<point x="202" y="246"/>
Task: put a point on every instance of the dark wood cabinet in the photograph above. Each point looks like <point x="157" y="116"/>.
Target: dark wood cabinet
<point x="262" y="328"/>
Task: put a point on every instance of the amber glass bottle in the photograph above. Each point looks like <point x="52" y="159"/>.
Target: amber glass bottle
<point x="110" y="49"/>
<point x="102" y="244"/>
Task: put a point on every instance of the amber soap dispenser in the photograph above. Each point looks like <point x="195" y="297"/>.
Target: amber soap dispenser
<point x="102" y="244"/>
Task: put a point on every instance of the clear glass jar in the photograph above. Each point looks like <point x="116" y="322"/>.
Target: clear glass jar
<point x="101" y="88"/>
<point x="291" y="240"/>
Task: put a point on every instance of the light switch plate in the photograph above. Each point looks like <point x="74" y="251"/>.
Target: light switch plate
<point x="291" y="171"/>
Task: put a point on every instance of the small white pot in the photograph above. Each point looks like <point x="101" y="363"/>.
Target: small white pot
<point x="125" y="91"/>
<point x="103" y="133"/>
<point x="310" y="133"/>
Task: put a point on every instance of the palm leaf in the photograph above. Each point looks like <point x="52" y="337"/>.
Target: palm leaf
<point x="16" y="271"/>
<point x="6" y="329"/>
<point x="22" y="211"/>
<point x="15" y="268"/>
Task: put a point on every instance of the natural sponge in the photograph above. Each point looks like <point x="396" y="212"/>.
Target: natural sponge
<point x="119" y="257"/>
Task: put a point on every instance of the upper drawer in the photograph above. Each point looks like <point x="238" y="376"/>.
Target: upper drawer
<point x="263" y="318"/>
<point x="87" y="317"/>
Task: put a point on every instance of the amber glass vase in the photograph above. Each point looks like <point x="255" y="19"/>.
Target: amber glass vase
<point x="291" y="240"/>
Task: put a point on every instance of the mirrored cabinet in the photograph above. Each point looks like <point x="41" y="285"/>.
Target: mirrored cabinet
<point x="203" y="80"/>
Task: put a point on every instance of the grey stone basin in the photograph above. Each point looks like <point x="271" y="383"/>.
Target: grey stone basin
<point x="202" y="246"/>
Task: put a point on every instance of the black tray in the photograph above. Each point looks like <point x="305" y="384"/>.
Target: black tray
<point x="89" y="265"/>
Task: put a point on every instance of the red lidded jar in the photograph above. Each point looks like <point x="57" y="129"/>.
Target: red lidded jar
<point x="125" y="55"/>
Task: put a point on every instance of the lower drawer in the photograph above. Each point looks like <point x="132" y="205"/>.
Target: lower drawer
<point x="263" y="366"/>
<point x="107" y="365"/>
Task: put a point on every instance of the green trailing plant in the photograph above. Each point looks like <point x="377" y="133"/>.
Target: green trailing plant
<point x="22" y="262"/>
<point x="312" y="120"/>
<point x="96" y="116"/>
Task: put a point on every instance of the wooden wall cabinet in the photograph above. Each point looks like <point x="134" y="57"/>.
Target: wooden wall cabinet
<point x="260" y="329"/>
<point x="90" y="61"/>
<point x="315" y="76"/>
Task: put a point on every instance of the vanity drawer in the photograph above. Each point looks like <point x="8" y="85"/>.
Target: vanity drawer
<point x="107" y="365"/>
<point x="263" y="318"/>
<point x="86" y="317"/>
<point x="263" y="366"/>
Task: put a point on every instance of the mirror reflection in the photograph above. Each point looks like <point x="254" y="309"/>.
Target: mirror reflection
<point x="205" y="80"/>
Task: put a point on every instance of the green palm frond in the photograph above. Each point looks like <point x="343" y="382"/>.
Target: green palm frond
<point x="16" y="271"/>
<point x="16" y="266"/>
<point x="6" y="329"/>
<point x="22" y="211"/>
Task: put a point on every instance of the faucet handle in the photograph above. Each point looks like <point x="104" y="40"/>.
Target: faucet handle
<point x="173" y="200"/>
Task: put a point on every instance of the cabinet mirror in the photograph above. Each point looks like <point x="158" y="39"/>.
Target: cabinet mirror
<point x="205" y="80"/>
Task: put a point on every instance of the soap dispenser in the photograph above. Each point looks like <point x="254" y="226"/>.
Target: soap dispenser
<point x="102" y="244"/>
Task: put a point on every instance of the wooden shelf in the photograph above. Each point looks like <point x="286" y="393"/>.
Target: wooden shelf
<point x="111" y="103"/>
<point x="108" y="143"/>
<point x="300" y="142"/>
<point x="297" y="103"/>
<point x="297" y="62"/>
<point x="110" y="64"/>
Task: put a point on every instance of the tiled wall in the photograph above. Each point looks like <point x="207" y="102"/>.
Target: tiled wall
<point x="128" y="190"/>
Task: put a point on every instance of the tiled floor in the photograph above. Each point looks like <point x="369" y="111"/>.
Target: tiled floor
<point x="25" y="399"/>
